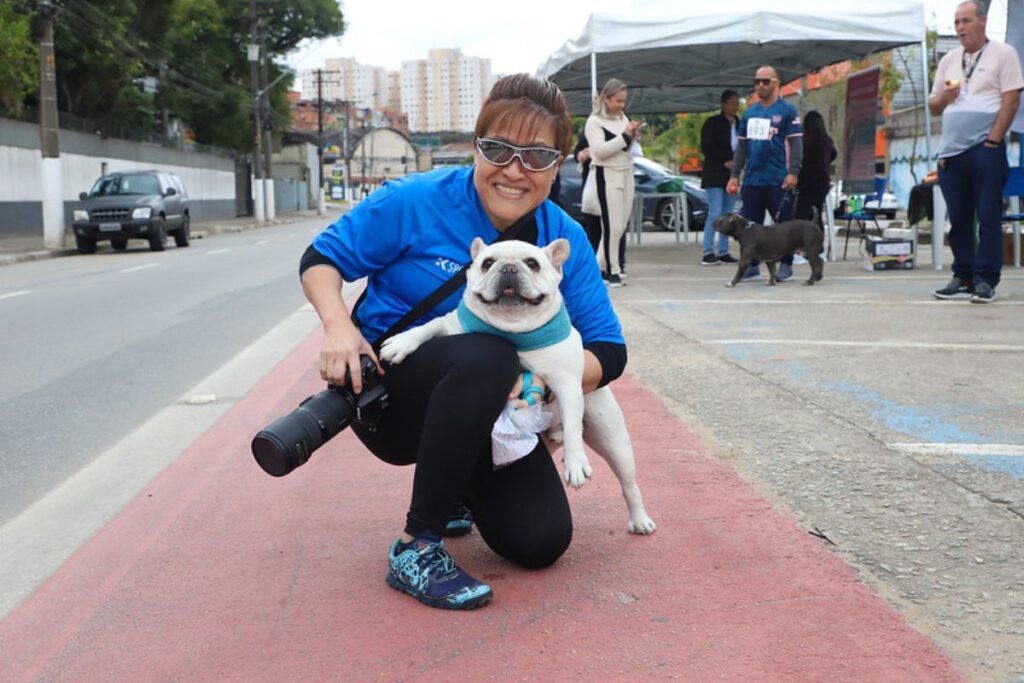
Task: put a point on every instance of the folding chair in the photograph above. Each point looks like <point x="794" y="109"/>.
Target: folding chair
<point x="862" y="217"/>
<point x="1014" y="190"/>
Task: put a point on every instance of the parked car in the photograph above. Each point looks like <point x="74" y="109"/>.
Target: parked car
<point x="649" y="177"/>
<point x="145" y="205"/>
<point x="887" y="207"/>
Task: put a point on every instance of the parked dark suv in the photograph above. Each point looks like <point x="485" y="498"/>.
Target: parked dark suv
<point x="146" y="205"/>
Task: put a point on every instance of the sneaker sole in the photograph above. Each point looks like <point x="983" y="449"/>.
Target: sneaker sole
<point x="953" y="297"/>
<point x="711" y="263"/>
<point x="437" y="603"/>
<point x="982" y="300"/>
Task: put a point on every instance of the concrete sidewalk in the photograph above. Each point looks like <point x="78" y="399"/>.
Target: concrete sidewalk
<point x="216" y="571"/>
<point x="21" y="249"/>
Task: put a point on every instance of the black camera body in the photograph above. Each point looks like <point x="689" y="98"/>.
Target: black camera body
<point x="287" y="442"/>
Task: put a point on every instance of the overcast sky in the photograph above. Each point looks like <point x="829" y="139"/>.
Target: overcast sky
<point x="519" y="38"/>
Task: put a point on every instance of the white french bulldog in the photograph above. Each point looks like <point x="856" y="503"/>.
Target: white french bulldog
<point x="512" y="286"/>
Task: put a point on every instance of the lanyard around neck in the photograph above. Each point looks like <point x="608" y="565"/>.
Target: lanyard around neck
<point x="974" y="63"/>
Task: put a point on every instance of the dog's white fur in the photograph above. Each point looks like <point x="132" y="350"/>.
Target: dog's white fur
<point x="513" y="286"/>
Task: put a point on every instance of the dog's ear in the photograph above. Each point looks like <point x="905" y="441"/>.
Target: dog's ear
<point x="475" y="247"/>
<point x="558" y="252"/>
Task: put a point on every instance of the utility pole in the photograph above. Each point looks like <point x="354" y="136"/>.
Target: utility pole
<point x="254" y="56"/>
<point x="51" y="180"/>
<point x="320" y="208"/>
<point x="345" y="153"/>
<point x="268" y="125"/>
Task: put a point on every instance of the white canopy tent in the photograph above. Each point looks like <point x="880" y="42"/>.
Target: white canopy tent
<point x="677" y="57"/>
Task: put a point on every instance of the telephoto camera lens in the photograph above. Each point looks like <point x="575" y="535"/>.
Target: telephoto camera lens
<point x="288" y="441"/>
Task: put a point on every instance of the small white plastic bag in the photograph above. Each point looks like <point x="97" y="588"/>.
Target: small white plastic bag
<point x="515" y="432"/>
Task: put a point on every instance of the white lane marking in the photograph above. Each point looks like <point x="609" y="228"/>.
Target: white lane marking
<point x="922" y="346"/>
<point x="811" y="302"/>
<point x="142" y="267"/>
<point x="901" y="279"/>
<point x="11" y="295"/>
<point x="260" y="242"/>
<point x="216" y="251"/>
<point x="1006" y="449"/>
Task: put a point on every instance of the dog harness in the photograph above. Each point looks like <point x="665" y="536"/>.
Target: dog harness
<point x="551" y="332"/>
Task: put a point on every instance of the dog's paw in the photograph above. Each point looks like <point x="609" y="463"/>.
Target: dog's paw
<point x="396" y="349"/>
<point x="642" y="525"/>
<point x="577" y="471"/>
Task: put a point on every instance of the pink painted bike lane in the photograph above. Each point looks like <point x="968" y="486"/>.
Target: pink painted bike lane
<point x="218" y="571"/>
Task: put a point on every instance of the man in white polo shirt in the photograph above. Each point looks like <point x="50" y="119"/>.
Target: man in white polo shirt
<point x="977" y="91"/>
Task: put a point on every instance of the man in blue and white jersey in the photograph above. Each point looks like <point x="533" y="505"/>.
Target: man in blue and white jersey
<point x="769" y="153"/>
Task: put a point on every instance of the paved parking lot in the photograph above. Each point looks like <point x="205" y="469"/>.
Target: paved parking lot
<point x="886" y="419"/>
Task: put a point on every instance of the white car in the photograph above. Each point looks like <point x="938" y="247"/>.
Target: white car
<point x="887" y="208"/>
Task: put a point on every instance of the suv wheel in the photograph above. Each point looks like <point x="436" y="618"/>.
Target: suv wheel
<point x="182" y="234"/>
<point x="157" y="239"/>
<point x="119" y="243"/>
<point x="85" y="244"/>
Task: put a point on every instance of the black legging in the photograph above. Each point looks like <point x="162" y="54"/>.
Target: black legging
<point x="809" y="199"/>
<point x="444" y="399"/>
<point x="592" y="226"/>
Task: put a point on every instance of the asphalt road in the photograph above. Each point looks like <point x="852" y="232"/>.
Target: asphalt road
<point x="95" y="345"/>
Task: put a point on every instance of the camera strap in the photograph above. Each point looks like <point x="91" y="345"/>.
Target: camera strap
<point x="525" y="228"/>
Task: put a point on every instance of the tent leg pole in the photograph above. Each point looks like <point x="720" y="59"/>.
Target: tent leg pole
<point x="939" y="208"/>
<point x="593" y="75"/>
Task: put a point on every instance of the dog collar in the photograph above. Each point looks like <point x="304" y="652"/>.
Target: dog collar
<point x="551" y="332"/>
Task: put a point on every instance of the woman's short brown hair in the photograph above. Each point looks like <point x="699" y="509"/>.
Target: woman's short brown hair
<point x="525" y="103"/>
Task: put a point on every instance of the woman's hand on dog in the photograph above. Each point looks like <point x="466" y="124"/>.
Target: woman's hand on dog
<point x="513" y="396"/>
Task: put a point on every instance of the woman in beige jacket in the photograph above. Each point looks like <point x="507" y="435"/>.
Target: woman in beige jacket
<point x="610" y="134"/>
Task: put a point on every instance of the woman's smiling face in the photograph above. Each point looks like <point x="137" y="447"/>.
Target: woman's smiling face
<point x="510" y="192"/>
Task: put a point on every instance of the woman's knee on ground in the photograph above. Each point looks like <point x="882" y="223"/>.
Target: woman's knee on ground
<point x="539" y="547"/>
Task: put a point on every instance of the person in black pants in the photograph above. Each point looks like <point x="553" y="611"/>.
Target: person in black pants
<point x="814" y="180"/>
<point x="409" y="238"/>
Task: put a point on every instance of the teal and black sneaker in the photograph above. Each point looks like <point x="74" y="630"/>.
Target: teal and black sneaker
<point x="460" y="523"/>
<point x="424" y="569"/>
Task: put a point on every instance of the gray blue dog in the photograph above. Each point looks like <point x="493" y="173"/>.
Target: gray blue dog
<point x="771" y="243"/>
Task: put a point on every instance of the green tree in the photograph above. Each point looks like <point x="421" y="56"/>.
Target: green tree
<point x="195" y="50"/>
<point x="19" y="58"/>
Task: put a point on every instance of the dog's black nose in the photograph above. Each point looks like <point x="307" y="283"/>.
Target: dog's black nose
<point x="509" y="268"/>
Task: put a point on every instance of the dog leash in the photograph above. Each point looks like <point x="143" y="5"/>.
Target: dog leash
<point x="790" y="193"/>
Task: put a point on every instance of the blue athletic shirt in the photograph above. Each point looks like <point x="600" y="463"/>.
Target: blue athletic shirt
<point x="413" y="234"/>
<point x="765" y="129"/>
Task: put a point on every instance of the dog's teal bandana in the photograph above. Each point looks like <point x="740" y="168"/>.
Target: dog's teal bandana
<point x="552" y="332"/>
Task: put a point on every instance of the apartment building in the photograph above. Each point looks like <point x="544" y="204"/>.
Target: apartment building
<point x="445" y="91"/>
<point x="346" y="79"/>
<point x="441" y="93"/>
